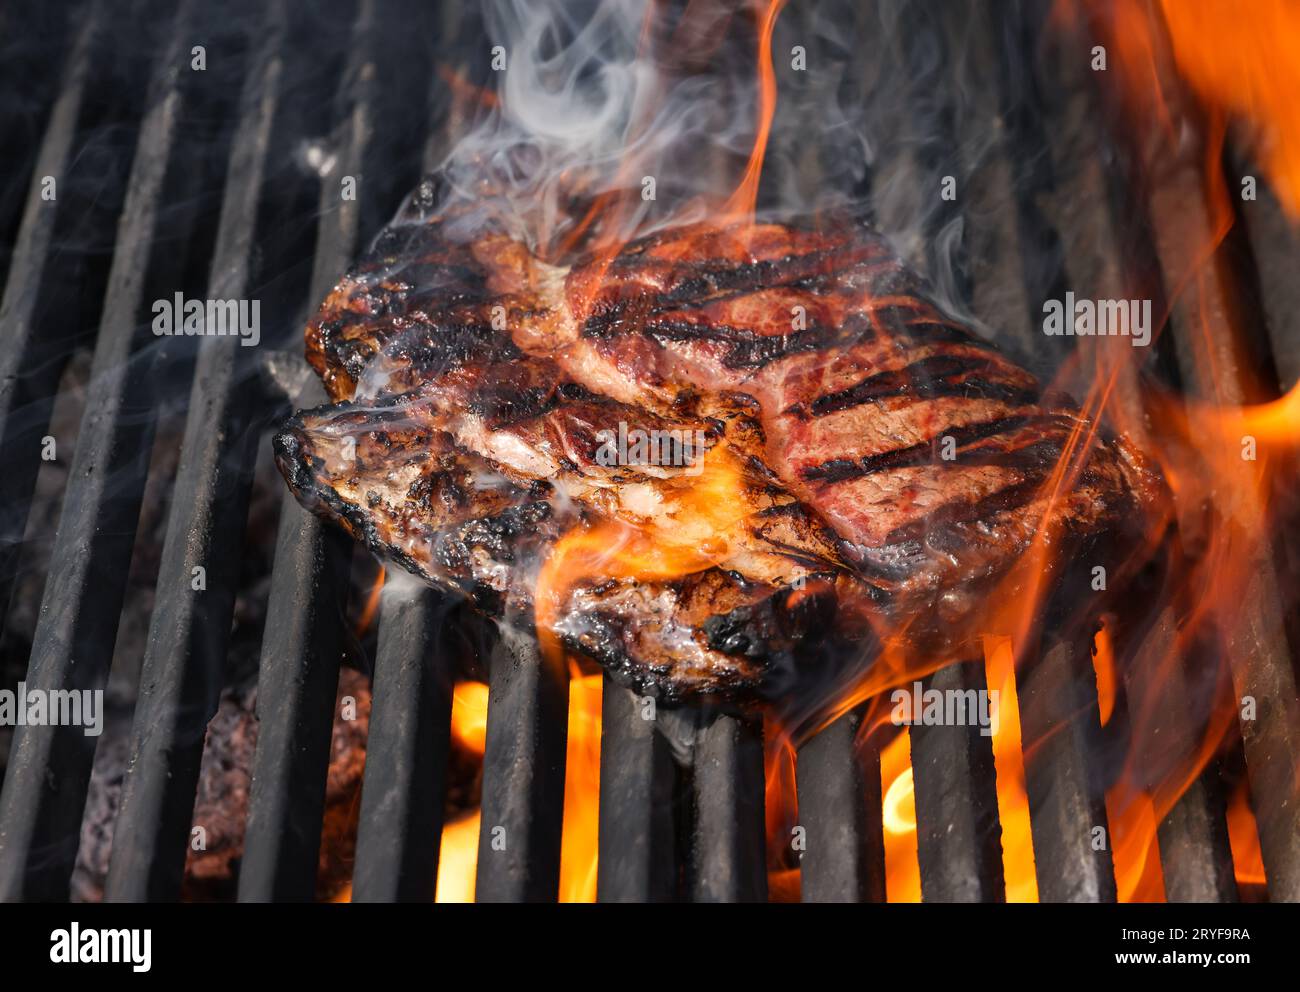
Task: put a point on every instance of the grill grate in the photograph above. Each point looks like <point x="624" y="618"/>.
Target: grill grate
<point x="665" y="833"/>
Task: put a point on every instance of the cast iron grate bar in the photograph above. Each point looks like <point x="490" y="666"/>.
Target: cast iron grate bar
<point x="1059" y="735"/>
<point x="837" y="776"/>
<point x="1195" y="856"/>
<point x="1057" y="694"/>
<point x="959" y="850"/>
<point x="403" y="796"/>
<point x="523" y="772"/>
<point x="636" y="857"/>
<point x="838" y="782"/>
<point x="25" y="122"/>
<point x="406" y="753"/>
<point x="1254" y="634"/>
<point x="728" y="849"/>
<point x="958" y="834"/>
<point x="30" y="363"/>
<point x="181" y="678"/>
<point x="49" y="767"/>
<point x="298" y="676"/>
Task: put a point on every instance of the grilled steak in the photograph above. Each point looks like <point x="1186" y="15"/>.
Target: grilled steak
<point x="860" y="464"/>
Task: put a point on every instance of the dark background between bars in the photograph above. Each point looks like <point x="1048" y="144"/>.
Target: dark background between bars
<point x="225" y="184"/>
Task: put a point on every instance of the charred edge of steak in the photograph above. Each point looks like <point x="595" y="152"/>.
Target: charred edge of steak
<point x="766" y="642"/>
<point x="454" y="547"/>
<point x="302" y="471"/>
<point x="420" y="344"/>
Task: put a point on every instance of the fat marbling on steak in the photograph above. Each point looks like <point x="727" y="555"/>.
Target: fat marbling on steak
<point x="475" y="384"/>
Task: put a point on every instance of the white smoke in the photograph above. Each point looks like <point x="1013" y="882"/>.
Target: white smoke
<point x="597" y="97"/>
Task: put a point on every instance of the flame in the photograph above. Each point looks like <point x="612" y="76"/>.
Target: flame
<point x="1243" y="837"/>
<point x="1103" y="663"/>
<point x="744" y="200"/>
<point x="581" y="790"/>
<point x="371" y="608"/>
<point x="1247" y="63"/>
<point x="1018" y="867"/>
<point x="1240" y="64"/>
<point x="458" y="858"/>
<point x="898" y="808"/>
<point x="695" y="529"/>
<point x="781" y="808"/>
<point x="469" y="704"/>
<point x="458" y="850"/>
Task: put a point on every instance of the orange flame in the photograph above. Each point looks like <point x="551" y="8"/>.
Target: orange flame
<point x="1247" y="63"/>
<point x="581" y="790"/>
<point x="898" y="809"/>
<point x="692" y="529"/>
<point x="469" y="704"/>
<point x="371" y="608"/>
<point x="744" y="200"/>
<point x="1018" y="867"/>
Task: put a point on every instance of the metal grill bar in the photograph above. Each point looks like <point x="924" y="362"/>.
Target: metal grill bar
<point x="523" y="773"/>
<point x="298" y="677"/>
<point x="958" y="835"/>
<point x="1275" y="247"/>
<point x="402" y="802"/>
<point x="1057" y="689"/>
<point x="407" y="753"/>
<point x="1059" y="724"/>
<point x="184" y="663"/>
<point x="45" y="787"/>
<point x="1195" y="856"/>
<point x="958" y="832"/>
<point x="25" y="123"/>
<point x="636" y="847"/>
<point x="29" y="363"/>
<point x="727" y="854"/>
<point x="839" y="807"/>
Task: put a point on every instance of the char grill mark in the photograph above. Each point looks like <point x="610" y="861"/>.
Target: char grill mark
<point x="976" y="444"/>
<point x="932" y="377"/>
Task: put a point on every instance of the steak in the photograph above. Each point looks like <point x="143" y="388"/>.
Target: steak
<point x="838" y="458"/>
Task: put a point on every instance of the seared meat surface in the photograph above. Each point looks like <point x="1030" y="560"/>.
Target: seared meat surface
<point x="844" y="458"/>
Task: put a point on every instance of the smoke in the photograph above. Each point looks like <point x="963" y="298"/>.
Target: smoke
<point x="653" y="109"/>
<point x="649" y="112"/>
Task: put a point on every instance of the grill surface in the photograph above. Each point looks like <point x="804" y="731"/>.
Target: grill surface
<point x="211" y="201"/>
